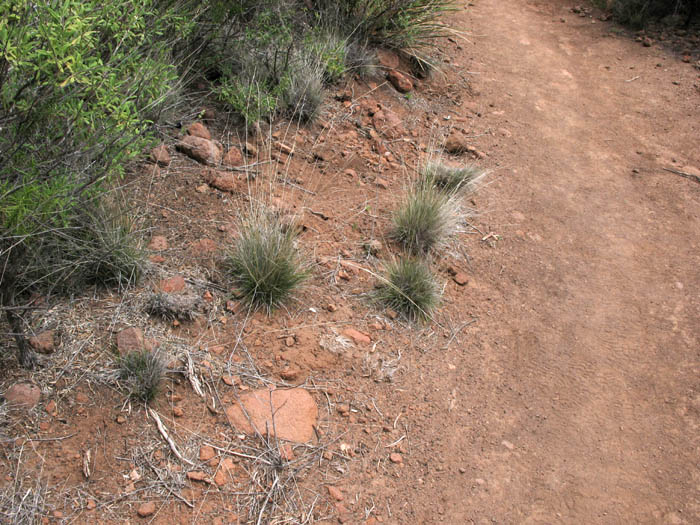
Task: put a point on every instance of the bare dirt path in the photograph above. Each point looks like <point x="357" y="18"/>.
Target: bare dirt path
<point x="576" y="399"/>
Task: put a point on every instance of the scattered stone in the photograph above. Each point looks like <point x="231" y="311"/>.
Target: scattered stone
<point x="233" y="158"/>
<point x="146" y="509"/>
<point x="200" y="149"/>
<point x="206" y="453"/>
<point x="203" y="246"/>
<point x="344" y="275"/>
<point x="223" y="180"/>
<point x="401" y="82"/>
<point x="508" y="444"/>
<point x="343" y="408"/>
<point x="51" y="408"/>
<point x="130" y="340"/>
<point x="295" y="413"/>
<point x="250" y="149"/>
<point x="81" y="398"/>
<point x="160" y="155"/>
<point x="197" y="475"/>
<point x="158" y="243"/>
<point x="291" y="373"/>
<point x="121" y="419"/>
<point x="202" y="188"/>
<point x="350" y="173"/>
<point x="456" y="144"/>
<point x="44" y="343"/>
<point x="389" y="124"/>
<point x="220" y="478"/>
<point x="335" y="493"/>
<point x="388" y="59"/>
<point x="178" y="412"/>
<point x="395" y="457"/>
<point x="343" y="513"/>
<point x="391" y="313"/>
<point x="461" y="278"/>
<point x="197" y="129"/>
<point x="332" y="308"/>
<point x="381" y="183"/>
<point x="91" y="504"/>
<point x="357" y="336"/>
<point x="173" y="284"/>
<point x="23" y="395"/>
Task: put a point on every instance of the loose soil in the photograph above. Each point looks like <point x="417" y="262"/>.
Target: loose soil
<point x="558" y="385"/>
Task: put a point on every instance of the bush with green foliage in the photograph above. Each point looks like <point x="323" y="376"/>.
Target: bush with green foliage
<point x="264" y="263"/>
<point x="141" y="373"/>
<point x="80" y="82"/>
<point x="409" y="288"/>
<point x="637" y="13"/>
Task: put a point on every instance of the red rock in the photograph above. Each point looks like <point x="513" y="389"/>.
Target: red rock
<point x="206" y="453"/>
<point x="227" y="465"/>
<point x="401" y="82"/>
<point x="220" y="478"/>
<point x="343" y="274"/>
<point x="395" y="457"/>
<point x="173" y="284"/>
<point x="130" y="340"/>
<point x="146" y="509"/>
<point x="157" y="259"/>
<point x="197" y="129"/>
<point x="200" y="149"/>
<point x="160" y="155"/>
<point x="178" y="412"/>
<point x="290" y="373"/>
<point x="197" y="475"/>
<point x="91" y="504"/>
<point x="456" y="144"/>
<point x="250" y="149"/>
<point x="203" y="246"/>
<point x="228" y="380"/>
<point x="381" y="183"/>
<point x="343" y="513"/>
<point x="23" y="395"/>
<point x="44" y="343"/>
<point x="461" y="278"/>
<point x="335" y="493"/>
<point x="81" y="398"/>
<point x="51" y="408"/>
<point x="223" y="180"/>
<point x="357" y="336"/>
<point x="121" y="419"/>
<point x="233" y="158"/>
<point x="389" y="124"/>
<point x="295" y="413"/>
<point x="388" y="59"/>
<point x="207" y="296"/>
<point x="392" y="314"/>
<point x="158" y="243"/>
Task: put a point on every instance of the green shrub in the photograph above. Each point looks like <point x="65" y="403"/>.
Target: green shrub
<point x="451" y="179"/>
<point x="636" y="13"/>
<point x="141" y="373"/>
<point x="264" y="263"/>
<point x="409" y="288"/>
<point x="425" y="218"/>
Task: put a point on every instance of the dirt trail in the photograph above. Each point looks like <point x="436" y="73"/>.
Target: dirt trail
<point x="577" y="397"/>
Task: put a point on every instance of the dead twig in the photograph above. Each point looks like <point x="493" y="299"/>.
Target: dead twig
<point x="684" y="174"/>
<point x="164" y="432"/>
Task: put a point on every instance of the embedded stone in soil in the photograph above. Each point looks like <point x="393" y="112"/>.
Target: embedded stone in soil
<point x="295" y="413"/>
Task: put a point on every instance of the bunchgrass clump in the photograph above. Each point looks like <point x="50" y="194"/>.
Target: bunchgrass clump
<point x="425" y="218"/>
<point x="264" y="262"/>
<point x="451" y="179"/>
<point x="142" y="373"/>
<point x="409" y="288"/>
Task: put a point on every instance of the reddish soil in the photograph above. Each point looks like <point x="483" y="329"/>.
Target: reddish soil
<point x="559" y="385"/>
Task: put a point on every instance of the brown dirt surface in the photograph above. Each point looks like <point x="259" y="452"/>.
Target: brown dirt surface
<point x="558" y="382"/>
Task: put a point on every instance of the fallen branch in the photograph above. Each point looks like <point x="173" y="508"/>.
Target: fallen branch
<point x="164" y="432"/>
<point x="684" y="174"/>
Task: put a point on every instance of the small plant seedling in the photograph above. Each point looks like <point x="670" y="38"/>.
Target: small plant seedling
<point x="142" y="373"/>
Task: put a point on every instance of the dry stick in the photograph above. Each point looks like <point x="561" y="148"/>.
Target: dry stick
<point x="192" y="376"/>
<point x="684" y="174"/>
<point x="164" y="433"/>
